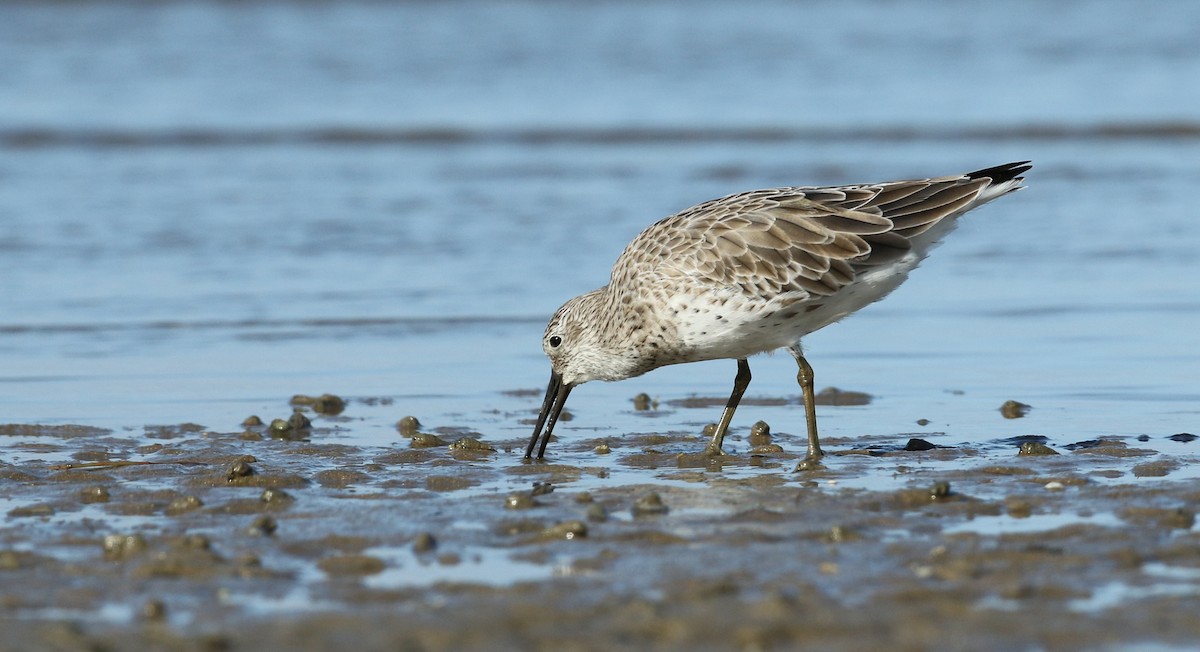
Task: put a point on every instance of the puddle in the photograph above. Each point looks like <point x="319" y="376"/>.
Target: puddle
<point x="480" y="566"/>
<point x="298" y="600"/>
<point x="105" y="614"/>
<point x="998" y="525"/>
<point x="1164" y="581"/>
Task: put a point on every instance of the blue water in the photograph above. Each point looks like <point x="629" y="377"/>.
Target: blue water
<point x="485" y="64"/>
<point x="208" y="207"/>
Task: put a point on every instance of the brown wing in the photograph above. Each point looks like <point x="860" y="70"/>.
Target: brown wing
<point x="804" y="239"/>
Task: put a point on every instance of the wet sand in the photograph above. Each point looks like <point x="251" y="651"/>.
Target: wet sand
<point x="238" y="201"/>
<point x="266" y="537"/>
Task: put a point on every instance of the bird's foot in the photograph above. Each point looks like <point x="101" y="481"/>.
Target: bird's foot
<point x="810" y="463"/>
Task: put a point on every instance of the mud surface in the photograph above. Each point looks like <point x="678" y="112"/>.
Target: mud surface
<point x="241" y="208"/>
<point x="185" y="537"/>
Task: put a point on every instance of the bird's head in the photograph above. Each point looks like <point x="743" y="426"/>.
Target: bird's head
<point x="579" y="342"/>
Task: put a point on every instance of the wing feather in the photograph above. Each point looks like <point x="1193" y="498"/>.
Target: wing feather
<point x="806" y="242"/>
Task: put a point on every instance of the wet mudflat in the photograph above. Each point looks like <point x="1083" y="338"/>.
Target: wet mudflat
<point x="236" y="202"/>
<point x="240" y="538"/>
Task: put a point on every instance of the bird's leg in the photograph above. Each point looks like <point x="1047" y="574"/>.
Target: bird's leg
<point x="740" y="382"/>
<point x="805" y="378"/>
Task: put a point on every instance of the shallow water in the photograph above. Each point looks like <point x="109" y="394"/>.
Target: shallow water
<point x="235" y="203"/>
<point x="1068" y="296"/>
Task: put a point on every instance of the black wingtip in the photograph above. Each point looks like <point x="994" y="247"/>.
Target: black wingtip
<point x="1002" y="173"/>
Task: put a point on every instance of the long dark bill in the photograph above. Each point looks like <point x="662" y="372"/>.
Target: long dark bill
<point x="556" y="398"/>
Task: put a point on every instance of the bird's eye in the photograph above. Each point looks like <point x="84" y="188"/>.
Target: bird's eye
<point x="555" y="341"/>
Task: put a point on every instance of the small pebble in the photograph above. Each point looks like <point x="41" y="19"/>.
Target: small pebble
<point x="1036" y="448"/>
<point x="33" y="511"/>
<point x="425" y="542"/>
<point x="121" y="546"/>
<point x="298" y="421"/>
<point x="566" y="530"/>
<point x="182" y="505"/>
<point x="94" y="495"/>
<point x="841" y="534"/>
<point x="240" y="469"/>
<point x="252" y="421"/>
<point x="596" y="513"/>
<point x="426" y="440"/>
<point x="519" y="501"/>
<point x="154" y="610"/>
<point x="262" y="526"/>
<point x="329" y="405"/>
<point x="649" y="505"/>
<point x="1014" y="409"/>
<point x="408" y="426"/>
<point x="1018" y="508"/>
<point x="760" y="435"/>
<point x="276" y="496"/>
<point x="835" y="396"/>
<point x="471" y="444"/>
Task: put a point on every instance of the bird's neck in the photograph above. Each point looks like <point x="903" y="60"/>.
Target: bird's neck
<point x="630" y="328"/>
